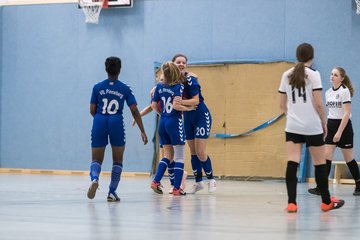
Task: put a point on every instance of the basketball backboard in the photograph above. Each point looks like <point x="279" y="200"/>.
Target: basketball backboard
<point x="120" y="3"/>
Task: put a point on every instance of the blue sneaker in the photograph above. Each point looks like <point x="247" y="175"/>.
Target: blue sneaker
<point x="113" y="197"/>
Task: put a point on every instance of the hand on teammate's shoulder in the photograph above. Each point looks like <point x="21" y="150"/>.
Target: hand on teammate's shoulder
<point x="191" y="74"/>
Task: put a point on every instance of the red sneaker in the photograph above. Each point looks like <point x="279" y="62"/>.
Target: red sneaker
<point x="178" y="192"/>
<point x="291" y="208"/>
<point x="156" y="187"/>
<point x="335" y="204"/>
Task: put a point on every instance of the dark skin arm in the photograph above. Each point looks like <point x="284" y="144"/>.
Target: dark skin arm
<point x="137" y="117"/>
<point x="92" y="109"/>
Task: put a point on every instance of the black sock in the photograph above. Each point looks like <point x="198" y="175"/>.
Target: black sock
<point x="354" y="170"/>
<point x="291" y="180"/>
<point x="328" y="167"/>
<point x="322" y="182"/>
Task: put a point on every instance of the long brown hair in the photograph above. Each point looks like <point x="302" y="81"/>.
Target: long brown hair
<point x="346" y="80"/>
<point x="172" y="74"/>
<point x="304" y="53"/>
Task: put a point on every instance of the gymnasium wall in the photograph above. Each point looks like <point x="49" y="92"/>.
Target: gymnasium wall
<point x="50" y="59"/>
<point x="242" y="96"/>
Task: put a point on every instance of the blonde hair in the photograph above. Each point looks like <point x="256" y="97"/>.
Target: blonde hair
<point x="346" y="80"/>
<point x="172" y="74"/>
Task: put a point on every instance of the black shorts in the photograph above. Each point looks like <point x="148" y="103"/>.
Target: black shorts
<point x="347" y="137"/>
<point x="310" y="140"/>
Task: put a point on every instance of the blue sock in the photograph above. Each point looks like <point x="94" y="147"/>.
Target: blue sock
<point x="171" y="172"/>
<point x="197" y="168"/>
<point x="115" y="177"/>
<point x="208" y="168"/>
<point x="178" y="172"/>
<point x="163" y="164"/>
<point x="95" y="169"/>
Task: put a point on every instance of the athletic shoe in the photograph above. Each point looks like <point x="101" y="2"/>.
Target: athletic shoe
<point x="335" y="204"/>
<point x="92" y="189"/>
<point x="178" y="192"/>
<point x="314" y="191"/>
<point x="182" y="186"/>
<point x="212" y="186"/>
<point x="171" y="189"/>
<point x="291" y="208"/>
<point x="113" y="197"/>
<point x="156" y="187"/>
<point x="196" y="187"/>
<point x="357" y="190"/>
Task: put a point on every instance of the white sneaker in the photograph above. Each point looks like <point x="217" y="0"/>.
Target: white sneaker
<point x="212" y="186"/>
<point x="196" y="187"/>
<point x="171" y="189"/>
<point x="92" y="189"/>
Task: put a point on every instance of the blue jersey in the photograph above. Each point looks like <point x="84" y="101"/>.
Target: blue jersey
<point x="165" y="94"/>
<point x="192" y="88"/>
<point x="108" y="123"/>
<point x="197" y="122"/>
<point x="171" y="127"/>
<point x="109" y="96"/>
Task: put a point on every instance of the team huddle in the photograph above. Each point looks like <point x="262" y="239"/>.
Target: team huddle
<point x="185" y="118"/>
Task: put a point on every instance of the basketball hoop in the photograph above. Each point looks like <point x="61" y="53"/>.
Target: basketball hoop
<point x="92" y="9"/>
<point x="357" y="7"/>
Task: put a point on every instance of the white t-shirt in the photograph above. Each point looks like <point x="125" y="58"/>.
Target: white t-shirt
<point x="335" y="98"/>
<point x="302" y="117"/>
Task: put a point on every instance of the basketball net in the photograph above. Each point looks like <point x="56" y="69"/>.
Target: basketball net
<point x="357" y="7"/>
<point x="92" y="9"/>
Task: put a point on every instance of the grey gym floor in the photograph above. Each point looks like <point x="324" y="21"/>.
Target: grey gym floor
<point x="55" y="207"/>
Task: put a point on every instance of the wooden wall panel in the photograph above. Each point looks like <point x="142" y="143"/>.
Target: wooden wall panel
<point x="241" y="97"/>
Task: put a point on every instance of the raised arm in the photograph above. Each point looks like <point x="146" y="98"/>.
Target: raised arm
<point x="143" y="112"/>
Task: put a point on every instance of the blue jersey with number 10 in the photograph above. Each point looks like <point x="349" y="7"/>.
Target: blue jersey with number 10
<point x="109" y="96"/>
<point x="165" y="94"/>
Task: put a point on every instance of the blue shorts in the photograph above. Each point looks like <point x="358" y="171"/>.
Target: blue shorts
<point x="171" y="131"/>
<point x="107" y="127"/>
<point x="198" y="123"/>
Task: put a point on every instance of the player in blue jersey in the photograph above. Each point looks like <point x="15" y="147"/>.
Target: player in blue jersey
<point x="148" y="109"/>
<point x="197" y="127"/>
<point x="106" y="107"/>
<point x="171" y="127"/>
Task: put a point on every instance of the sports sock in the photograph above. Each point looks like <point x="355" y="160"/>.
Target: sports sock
<point x="208" y="168"/>
<point x="95" y="169"/>
<point x="354" y="170"/>
<point x="328" y="167"/>
<point x="163" y="164"/>
<point x="178" y="172"/>
<point x="322" y="183"/>
<point x="115" y="177"/>
<point x="197" y="168"/>
<point x="291" y="180"/>
<point x="171" y="172"/>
